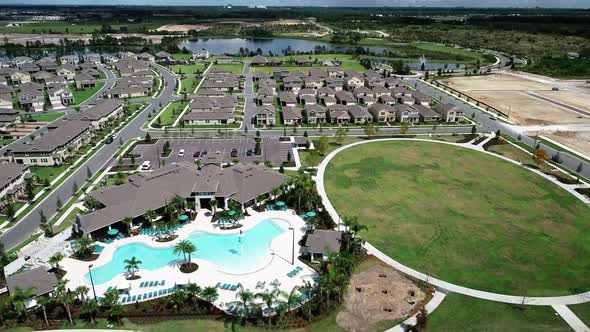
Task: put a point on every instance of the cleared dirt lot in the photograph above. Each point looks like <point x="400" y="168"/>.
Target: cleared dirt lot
<point x="286" y="22"/>
<point x="495" y="82"/>
<point x="528" y="110"/>
<point x="579" y="140"/>
<point x="182" y="27"/>
<point x="512" y="95"/>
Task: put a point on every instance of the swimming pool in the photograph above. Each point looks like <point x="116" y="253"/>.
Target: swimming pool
<point x="227" y="251"/>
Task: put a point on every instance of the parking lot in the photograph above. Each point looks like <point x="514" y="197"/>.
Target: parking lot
<point x="224" y="150"/>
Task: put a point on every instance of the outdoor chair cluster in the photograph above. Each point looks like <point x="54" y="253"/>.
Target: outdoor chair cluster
<point x="294" y="272"/>
<point x="152" y="231"/>
<point x="151" y="283"/>
<point x="273" y="207"/>
<point x="118" y="237"/>
<point x="228" y="287"/>
<point x="148" y="295"/>
<point x="276" y="309"/>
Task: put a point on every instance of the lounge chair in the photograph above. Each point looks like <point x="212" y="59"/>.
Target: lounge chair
<point x="110" y="287"/>
<point x="234" y="287"/>
<point x="128" y="299"/>
<point x="156" y="283"/>
<point x="141" y="284"/>
<point x="133" y="298"/>
<point x="164" y="291"/>
<point x="160" y="292"/>
<point x="151" y="284"/>
<point x="218" y="284"/>
<point x="123" y="300"/>
<point x="225" y="286"/>
<point x="163" y="282"/>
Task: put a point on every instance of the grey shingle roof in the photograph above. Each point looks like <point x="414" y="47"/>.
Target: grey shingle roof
<point x="40" y="280"/>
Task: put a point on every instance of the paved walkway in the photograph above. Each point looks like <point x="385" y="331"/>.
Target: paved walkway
<point x="554" y="300"/>
<point x="571" y="319"/>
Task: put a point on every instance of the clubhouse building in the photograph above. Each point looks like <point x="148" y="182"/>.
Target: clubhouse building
<point x="153" y="190"/>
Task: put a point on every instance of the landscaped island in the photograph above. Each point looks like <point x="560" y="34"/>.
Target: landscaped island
<point x="464" y="216"/>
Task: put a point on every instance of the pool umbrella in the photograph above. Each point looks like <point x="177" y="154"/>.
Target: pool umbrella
<point x="113" y="232"/>
<point x="280" y="203"/>
<point x="310" y="214"/>
<point x="182" y="217"/>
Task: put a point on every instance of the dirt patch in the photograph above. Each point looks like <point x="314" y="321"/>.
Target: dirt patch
<point x="189" y="268"/>
<point x="182" y="27"/>
<point x="285" y="22"/>
<point x="522" y="98"/>
<point x="378" y="294"/>
<point x="579" y="140"/>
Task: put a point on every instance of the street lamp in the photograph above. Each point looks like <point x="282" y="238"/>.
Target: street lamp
<point x="293" y="247"/>
<point x="92" y="281"/>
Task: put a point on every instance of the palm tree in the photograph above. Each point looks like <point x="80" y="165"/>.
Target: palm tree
<point x="128" y="222"/>
<point x="178" y="299"/>
<point x="191" y="206"/>
<point x="180" y="248"/>
<point x="194" y="291"/>
<point x="199" y="163"/>
<point x="190" y="248"/>
<point x="81" y="292"/>
<point x="132" y="265"/>
<point x="19" y="298"/>
<point x="209" y="294"/>
<point x="245" y="296"/>
<point x="275" y="192"/>
<point x="291" y="298"/>
<point x="90" y="308"/>
<point x="43" y="301"/>
<point x="213" y="203"/>
<point x="268" y="297"/>
<point x="150" y="216"/>
<point x="55" y="259"/>
<point x="84" y="246"/>
<point x="65" y="297"/>
<point x="353" y="225"/>
<point x="178" y="202"/>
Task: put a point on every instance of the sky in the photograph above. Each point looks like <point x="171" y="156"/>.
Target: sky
<point x="335" y="3"/>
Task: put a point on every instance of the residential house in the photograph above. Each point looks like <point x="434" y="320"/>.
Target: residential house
<point x="67" y="71"/>
<point x="146" y="57"/>
<point x="279" y="73"/>
<point x="60" y="96"/>
<point x="32" y="99"/>
<point x="61" y="141"/>
<point x="8" y="117"/>
<point x="163" y="56"/>
<point x="315" y="114"/>
<point x="421" y="98"/>
<point x="449" y="112"/>
<point x="335" y="83"/>
<point x="128" y="87"/>
<point x="201" y="55"/>
<point x="427" y="114"/>
<point x="359" y="114"/>
<point x="109" y="58"/>
<point x="406" y="113"/>
<point x="313" y="82"/>
<point x="400" y="91"/>
<point x="12" y="176"/>
<point x="301" y="61"/>
<point x="288" y="99"/>
<point x="20" y="60"/>
<point x="20" y="77"/>
<point x="345" y="98"/>
<point x="70" y="60"/>
<point x="361" y="92"/>
<point x="47" y="65"/>
<point x="291" y="115"/>
<point x="6" y="93"/>
<point x="335" y="72"/>
<point x="41" y="76"/>
<point x="92" y="58"/>
<point x="292" y="83"/>
<point x="100" y="113"/>
<point x="224" y="60"/>
<point x="259" y="74"/>
<point x="387" y="99"/>
<point x="258" y="60"/>
<point x="408" y="100"/>
<point x="380" y="91"/>
<point x="29" y="68"/>
<point x="318" y="72"/>
<point x="265" y="116"/>
<point x="56" y="80"/>
<point x="338" y="114"/>
<point x="84" y="81"/>
<point x="382" y="113"/>
<point x="352" y="80"/>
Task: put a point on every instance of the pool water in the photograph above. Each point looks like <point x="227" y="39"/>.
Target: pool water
<point x="227" y="251"/>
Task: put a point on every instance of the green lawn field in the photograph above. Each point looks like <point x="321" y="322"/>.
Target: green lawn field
<point x="463" y="313"/>
<point x="465" y="217"/>
<point x="582" y="311"/>
<point x="172" y="112"/>
<point x="188" y="69"/>
<point x="81" y="96"/>
<point x="234" y="68"/>
<point x="47" y="117"/>
<point x="188" y="84"/>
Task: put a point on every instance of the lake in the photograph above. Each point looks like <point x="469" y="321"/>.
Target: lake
<point x="276" y="46"/>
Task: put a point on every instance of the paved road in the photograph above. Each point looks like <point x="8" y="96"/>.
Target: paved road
<point x="28" y="225"/>
<point x="487" y="124"/>
<point x="249" y="106"/>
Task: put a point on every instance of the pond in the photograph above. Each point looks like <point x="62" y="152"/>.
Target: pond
<point x="278" y="46"/>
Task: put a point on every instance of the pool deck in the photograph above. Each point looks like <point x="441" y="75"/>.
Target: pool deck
<point x="277" y="267"/>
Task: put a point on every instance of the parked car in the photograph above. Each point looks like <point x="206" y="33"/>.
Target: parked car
<point x="146" y="165"/>
<point x="234" y="153"/>
<point x="196" y="154"/>
<point x="109" y="140"/>
<point x="555" y="89"/>
<point x="249" y="153"/>
<point x="181" y="153"/>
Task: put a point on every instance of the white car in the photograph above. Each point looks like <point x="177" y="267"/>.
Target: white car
<point x="146" y="165"/>
<point x="181" y="153"/>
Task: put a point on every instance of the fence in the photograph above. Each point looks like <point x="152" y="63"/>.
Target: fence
<point x="469" y="98"/>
